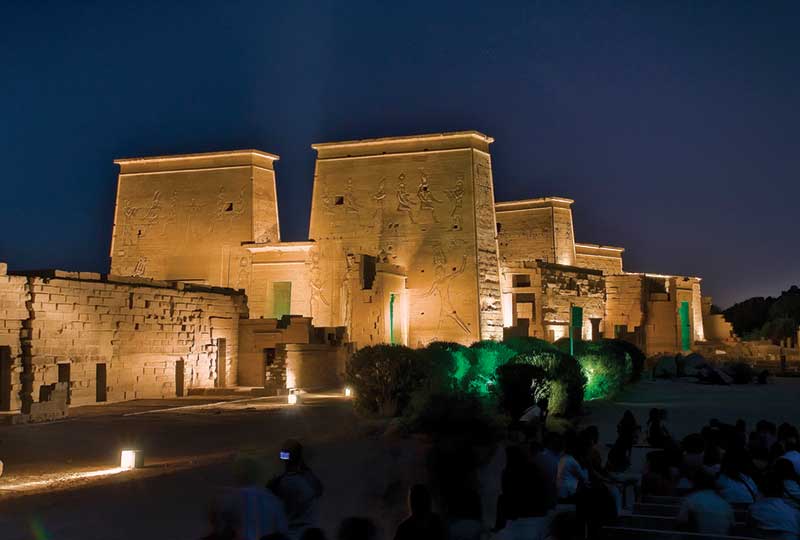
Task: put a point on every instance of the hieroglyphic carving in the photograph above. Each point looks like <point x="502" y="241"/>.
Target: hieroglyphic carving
<point x="193" y="218"/>
<point x="140" y="268"/>
<point x="379" y="197"/>
<point x="441" y="287"/>
<point x="456" y="196"/>
<point x="317" y="298"/>
<point x="243" y="275"/>
<point x="345" y="298"/>
<point x="426" y="197"/>
<point x="350" y="204"/>
<point x="403" y="201"/>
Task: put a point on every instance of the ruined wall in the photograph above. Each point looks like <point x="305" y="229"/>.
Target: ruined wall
<point x="408" y="202"/>
<point x="258" y="335"/>
<point x="314" y="366"/>
<point x="185" y="217"/>
<point x="604" y="258"/>
<point x="14" y="294"/>
<point x="563" y="287"/>
<point x="138" y="329"/>
<point x="625" y="302"/>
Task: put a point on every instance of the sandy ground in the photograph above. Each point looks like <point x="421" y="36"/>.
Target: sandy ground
<point x="190" y="449"/>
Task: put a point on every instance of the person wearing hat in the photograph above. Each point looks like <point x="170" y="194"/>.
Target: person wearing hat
<point x="299" y="489"/>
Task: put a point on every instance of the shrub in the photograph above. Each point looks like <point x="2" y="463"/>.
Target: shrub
<point x="383" y="378"/>
<point x="740" y="372"/>
<point x="607" y="363"/>
<point x="487" y="356"/>
<point x="524" y="345"/>
<point x="564" y="382"/>
<point x="516" y="384"/>
<point x="606" y="374"/>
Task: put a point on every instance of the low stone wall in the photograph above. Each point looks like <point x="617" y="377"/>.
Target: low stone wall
<point x="146" y="338"/>
<point x="314" y="366"/>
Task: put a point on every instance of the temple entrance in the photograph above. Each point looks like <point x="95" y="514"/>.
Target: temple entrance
<point x="179" y="377"/>
<point x="101" y="383"/>
<point x="5" y="378"/>
<point x="63" y="377"/>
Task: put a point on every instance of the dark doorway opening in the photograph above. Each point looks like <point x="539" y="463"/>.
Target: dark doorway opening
<point x="179" y="375"/>
<point x="101" y="383"/>
<point x="63" y="376"/>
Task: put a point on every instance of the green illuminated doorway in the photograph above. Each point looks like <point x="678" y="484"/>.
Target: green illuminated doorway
<point x="391" y="318"/>
<point x="281" y="298"/>
<point x="686" y="327"/>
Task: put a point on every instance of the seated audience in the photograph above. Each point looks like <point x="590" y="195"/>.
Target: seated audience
<point x="357" y="528"/>
<point x="785" y="472"/>
<point x="572" y="470"/>
<point x="545" y="462"/>
<point x="772" y="515"/>
<point x="734" y="484"/>
<point x="703" y="510"/>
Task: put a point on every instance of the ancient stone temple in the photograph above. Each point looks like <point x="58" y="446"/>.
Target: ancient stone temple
<point x="406" y="245"/>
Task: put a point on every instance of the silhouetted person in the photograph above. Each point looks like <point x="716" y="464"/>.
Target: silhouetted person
<point x="423" y="523"/>
<point x="734" y="484"/>
<point x="298" y="488"/>
<point x="573" y="472"/>
<point x="628" y="428"/>
<point x="514" y="482"/>
<point x="545" y="462"/>
<point x="357" y="528"/>
<point x="657" y="433"/>
<point x="248" y="511"/>
<point x="785" y="472"/>
<point x="772" y="515"/>
<point x="703" y="510"/>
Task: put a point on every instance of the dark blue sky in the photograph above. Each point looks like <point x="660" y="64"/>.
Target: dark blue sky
<point x="673" y="125"/>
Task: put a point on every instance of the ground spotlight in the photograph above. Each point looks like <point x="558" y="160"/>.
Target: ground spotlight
<point x="131" y="459"/>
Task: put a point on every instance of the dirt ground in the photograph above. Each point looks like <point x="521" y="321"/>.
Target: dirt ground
<point x="189" y="451"/>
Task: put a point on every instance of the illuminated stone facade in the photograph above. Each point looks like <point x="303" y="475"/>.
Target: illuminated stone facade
<point x="114" y="338"/>
<point x="406" y="245"/>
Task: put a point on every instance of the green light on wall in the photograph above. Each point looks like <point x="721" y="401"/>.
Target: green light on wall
<point x="391" y="318"/>
<point x="686" y="327"/>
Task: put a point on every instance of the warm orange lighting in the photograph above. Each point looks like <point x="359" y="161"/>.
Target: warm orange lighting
<point x="292" y="399"/>
<point x="348" y="392"/>
<point x="130" y="459"/>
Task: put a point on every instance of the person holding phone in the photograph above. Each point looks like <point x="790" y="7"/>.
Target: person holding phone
<point x="299" y="489"/>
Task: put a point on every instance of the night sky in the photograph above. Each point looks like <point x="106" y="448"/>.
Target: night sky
<point x="673" y="125"/>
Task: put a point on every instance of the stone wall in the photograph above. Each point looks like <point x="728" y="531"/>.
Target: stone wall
<point x="535" y="229"/>
<point x="409" y="202"/>
<point x="144" y="333"/>
<point x="14" y="295"/>
<point x="605" y="258"/>
<point x="314" y="366"/>
<point x="564" y="287"/>
<point x="259" y="340"/>
<point x="185" y="217"/>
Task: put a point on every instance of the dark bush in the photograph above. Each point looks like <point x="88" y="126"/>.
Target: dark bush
<point x="740" y="372"/>
<point x="516" y="384"/>
<point x="487" y="357"/>
<point x="608" y="364"/>
<point x="524" y="345"/>
<point x="383" y="378"/>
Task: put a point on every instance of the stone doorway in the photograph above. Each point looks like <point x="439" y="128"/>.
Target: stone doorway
<point x="5" y="378"/>
<point x="101" y="383"/>
<point x="179" y="377"/>
<point x="64" y="377"/>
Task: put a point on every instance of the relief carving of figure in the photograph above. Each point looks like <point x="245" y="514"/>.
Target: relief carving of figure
<point x="403" y="202"/>
<point x="193" y="214"/>
<point x="379" y="197"/>
<point x="243" y="276"/>
<point x="456" y="196"/>
<point x="426" y="196"/>
<point x="350" y="204"/>
<point x="140" y="268"/>
<point x="346" y="301"/>
<point x="441" y="287"/>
